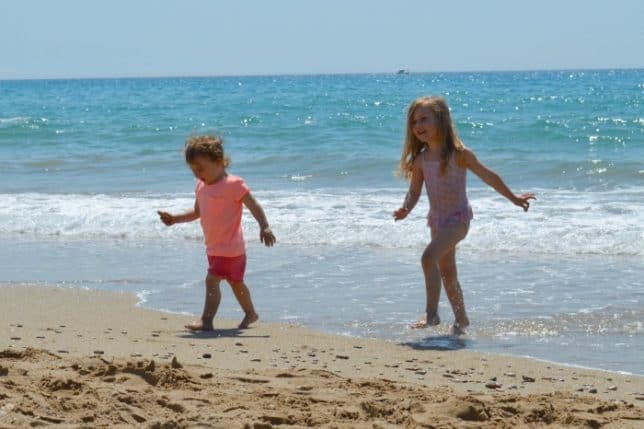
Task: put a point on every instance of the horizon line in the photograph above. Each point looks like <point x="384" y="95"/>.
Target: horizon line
<point x="395" y="72"/>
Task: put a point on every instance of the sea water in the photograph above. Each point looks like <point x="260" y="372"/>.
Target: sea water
<point x="85" y="165"/>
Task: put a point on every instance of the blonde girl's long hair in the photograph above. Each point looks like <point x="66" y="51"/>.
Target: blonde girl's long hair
<point x="412" y="147"/>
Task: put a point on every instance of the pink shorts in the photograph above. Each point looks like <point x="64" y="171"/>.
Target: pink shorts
<point x="229" y="268"/>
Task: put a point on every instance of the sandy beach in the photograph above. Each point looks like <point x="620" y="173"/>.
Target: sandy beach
<point x="76" y="358"/>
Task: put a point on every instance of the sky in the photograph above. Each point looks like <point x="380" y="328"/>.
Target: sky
<point x="135" y="38"/>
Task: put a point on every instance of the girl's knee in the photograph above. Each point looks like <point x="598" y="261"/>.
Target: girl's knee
<point x="212" y="281"/>
<point x="237" y="284"/>
<point x="429" y="258"/>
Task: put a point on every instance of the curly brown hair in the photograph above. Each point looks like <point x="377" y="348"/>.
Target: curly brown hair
<point x="209" y="146"/>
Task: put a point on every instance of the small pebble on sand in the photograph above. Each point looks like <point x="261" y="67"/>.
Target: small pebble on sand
<point x="492" y="385"/>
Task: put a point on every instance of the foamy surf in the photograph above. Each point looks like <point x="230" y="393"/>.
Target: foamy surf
<point x="560" y="222"/>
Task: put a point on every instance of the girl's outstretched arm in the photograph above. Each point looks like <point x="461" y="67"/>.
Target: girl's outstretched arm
<point x="188" y="216"/>
<point x="265" y="234"/>
<point x="415" y="188"/>
<point x="495" y="181"/>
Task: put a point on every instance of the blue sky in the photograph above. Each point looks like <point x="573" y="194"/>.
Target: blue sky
<point x="74" y="38"/>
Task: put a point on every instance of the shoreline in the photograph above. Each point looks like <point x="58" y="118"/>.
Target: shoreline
<point x="140" y="301"/>
<point x="137" y="366"/>
<point x="572" y="366"/>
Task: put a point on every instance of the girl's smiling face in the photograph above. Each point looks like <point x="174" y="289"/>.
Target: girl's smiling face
<point x="207" y="170"/>
<point x="423" y="124"/>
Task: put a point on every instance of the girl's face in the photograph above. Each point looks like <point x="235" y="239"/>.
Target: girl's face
<point x="207" y="170"/>
<point x="423" y="124"/>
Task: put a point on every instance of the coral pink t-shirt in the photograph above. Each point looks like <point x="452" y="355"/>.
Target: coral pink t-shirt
<point x="220" y="212"/>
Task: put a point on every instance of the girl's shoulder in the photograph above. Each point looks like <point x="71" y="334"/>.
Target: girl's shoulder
<point x="463" y="155"/>
<point x="236" y="185"/>
<point x="232" y="179"/>
<point x="417" y="162"/>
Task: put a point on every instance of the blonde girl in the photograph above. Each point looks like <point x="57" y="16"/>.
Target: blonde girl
<point x="434" y="155"/>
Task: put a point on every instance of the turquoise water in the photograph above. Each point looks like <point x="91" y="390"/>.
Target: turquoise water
<point x="84" y="165"/>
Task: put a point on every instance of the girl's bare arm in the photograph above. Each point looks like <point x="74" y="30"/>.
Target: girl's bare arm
<point x="188" y="216"/>
<point x="415" y="188"/>
<point x="494" y="180"/>
<point x="265" y="234"/>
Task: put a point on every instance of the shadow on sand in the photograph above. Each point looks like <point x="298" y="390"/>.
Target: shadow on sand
<point x="439" y="342"/>
<point x="220" y="333"/>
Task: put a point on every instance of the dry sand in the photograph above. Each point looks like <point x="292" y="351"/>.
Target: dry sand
<point x="74" y="358"/>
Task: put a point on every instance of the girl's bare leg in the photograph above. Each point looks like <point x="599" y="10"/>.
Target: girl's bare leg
<point x="442" y="242"/>
<point x="447" y="266"/>
<point x="242" y="293"/>
<point x="213" y="298"/>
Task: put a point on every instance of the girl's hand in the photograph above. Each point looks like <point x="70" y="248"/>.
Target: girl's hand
<point x="166" y="218"/>
<point x="266" y="236"/>
<point x="401" y="213"/>
<point x="523" y="200"/>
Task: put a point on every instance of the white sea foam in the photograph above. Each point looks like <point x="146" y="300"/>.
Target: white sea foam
<point x="142" y="296"/>
<point x="4" y="122"/>
<point x="559" y="222"/>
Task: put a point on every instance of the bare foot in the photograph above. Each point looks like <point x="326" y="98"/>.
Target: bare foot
<point x="424" y="322"/>
<point x="199" y="325"/>
<point x="458" y="328"/>
<point x="248" y="319"/>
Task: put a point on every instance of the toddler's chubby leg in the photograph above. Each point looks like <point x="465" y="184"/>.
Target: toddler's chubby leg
<point x="213" y="298"/>
<point x="242" y="293"/>
<point x="247" y="320"/>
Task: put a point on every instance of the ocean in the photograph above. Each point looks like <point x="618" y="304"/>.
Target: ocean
<point x="85" y="164"/>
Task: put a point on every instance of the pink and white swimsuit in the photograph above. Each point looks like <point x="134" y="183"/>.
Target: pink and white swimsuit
<point x="448" y="204"/>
